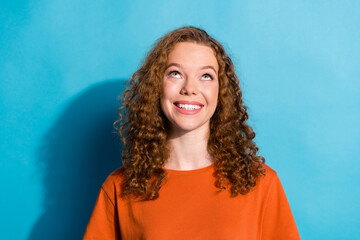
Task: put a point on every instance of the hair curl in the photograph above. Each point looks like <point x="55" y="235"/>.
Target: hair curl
<point x="144" y="130"/>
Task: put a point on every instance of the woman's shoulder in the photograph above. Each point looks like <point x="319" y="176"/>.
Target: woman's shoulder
<point x="269" y="172"/>
<point x="266" y="181"/>
<point x="115" y="176"/>
<point x="113" y="182"/>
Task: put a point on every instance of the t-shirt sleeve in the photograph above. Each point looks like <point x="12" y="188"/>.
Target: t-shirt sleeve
<point x="278" y="222"/>
<point x="103" y="223"/>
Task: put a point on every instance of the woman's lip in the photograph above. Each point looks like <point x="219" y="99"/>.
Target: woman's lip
<point x="187" y="112"/>
<point x="189" y="102"/>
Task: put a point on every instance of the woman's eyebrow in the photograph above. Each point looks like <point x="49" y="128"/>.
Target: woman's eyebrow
<point x="173" y="64"/>
<point x="209" y="66"/>
<point x="202" y="68"/>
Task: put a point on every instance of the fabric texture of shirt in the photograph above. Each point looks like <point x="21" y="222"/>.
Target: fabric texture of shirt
<point x="191" y="207"/>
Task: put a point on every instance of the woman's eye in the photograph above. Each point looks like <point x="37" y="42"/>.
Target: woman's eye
<point x="174" y="74"/>
<point x="207" y="77"/>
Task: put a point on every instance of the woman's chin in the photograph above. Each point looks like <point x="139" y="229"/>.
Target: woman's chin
<point x="186" y="127"/>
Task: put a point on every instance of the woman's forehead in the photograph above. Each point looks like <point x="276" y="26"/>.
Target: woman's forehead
<point x="190" y="54"/>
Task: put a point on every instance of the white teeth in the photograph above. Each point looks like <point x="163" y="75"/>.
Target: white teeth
<point x="188" y="106"/>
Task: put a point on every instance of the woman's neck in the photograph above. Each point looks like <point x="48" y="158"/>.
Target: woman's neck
<point x="188" y="149"/>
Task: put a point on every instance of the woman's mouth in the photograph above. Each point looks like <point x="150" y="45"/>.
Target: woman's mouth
<point x="187" y="107"/>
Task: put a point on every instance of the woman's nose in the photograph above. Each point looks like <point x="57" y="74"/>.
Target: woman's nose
<point x="189" y="87"/>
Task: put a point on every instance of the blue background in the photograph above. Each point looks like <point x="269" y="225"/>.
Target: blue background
<point x="62" y="67"/>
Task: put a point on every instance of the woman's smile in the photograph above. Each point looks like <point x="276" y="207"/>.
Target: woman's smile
<point x="188" y="107"/>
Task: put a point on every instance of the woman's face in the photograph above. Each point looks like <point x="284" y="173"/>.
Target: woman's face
<point x="190" y="87"/>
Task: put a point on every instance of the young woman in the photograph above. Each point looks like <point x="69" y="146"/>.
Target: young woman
<point x="190" y="166"/>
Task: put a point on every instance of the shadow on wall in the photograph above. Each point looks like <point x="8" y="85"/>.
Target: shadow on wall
<point x="78" y="152"/>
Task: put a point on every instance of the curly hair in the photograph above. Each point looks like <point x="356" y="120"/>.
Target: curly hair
<point x="144" y="129"/>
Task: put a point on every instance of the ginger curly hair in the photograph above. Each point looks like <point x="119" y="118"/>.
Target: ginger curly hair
<point x="144" y="129"/>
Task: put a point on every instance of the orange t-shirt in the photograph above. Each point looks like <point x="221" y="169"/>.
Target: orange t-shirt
<point x="190" y="207"/>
